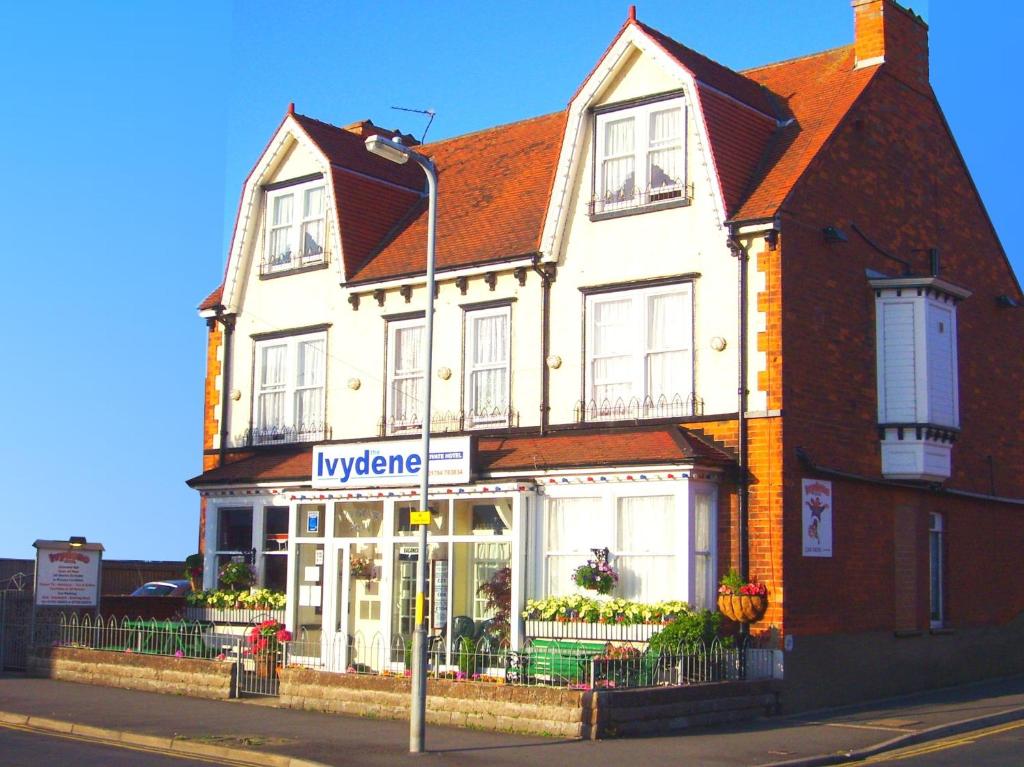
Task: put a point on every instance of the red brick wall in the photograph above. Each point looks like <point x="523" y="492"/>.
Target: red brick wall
<point x="893" y="169"/>
<point x="211" y="412"/>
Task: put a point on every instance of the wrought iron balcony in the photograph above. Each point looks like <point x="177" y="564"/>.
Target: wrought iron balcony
<point x="451" y="421"/>
<point x="282" y="435"/>
<point x="636" y="408"/>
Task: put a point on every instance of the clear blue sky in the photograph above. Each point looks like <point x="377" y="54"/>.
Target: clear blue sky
<point x="128" y="128"/>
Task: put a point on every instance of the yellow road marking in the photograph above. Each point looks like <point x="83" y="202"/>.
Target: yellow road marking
<point x="126" y="746"/>
<point x="954" y="741"/>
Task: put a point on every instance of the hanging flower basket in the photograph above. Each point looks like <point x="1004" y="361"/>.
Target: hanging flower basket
<point x="743" y="608"/>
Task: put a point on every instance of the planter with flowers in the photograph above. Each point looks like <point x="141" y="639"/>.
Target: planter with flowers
<point x="194" y="571"/>
<point x="362" y="568"/>
<point x="265" y="642"/>
<point x="740" y="600"/>
<point x="590" y="618"/>
<point x="597" y="574"/>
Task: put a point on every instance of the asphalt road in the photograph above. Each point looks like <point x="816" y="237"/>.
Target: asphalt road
<point x="1000" y="746"/>
<point x="25" y="748"/>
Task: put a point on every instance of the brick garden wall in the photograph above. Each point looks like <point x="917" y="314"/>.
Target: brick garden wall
<point x="151" y="673"/>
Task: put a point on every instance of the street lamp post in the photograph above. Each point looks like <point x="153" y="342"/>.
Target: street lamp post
<point x="396" y="152"/>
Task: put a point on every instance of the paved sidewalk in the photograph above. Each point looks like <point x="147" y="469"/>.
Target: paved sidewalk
<point x="300" y="738"/>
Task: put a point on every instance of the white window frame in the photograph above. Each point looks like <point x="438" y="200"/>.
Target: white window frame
<point x="606" y="503"/>
<point x="395" y="424"/>
<point x="498" y="413"/>
<point x="644" y="146"/>
<point x="639" y="350"/>
<point x="288" y="430"/>
<point x="936" y="571"/>
<point x="297" y="255"/>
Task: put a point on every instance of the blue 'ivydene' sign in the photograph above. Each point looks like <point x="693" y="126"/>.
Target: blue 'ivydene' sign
<point x="389" y="464"/>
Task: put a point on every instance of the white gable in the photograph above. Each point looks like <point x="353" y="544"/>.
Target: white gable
<point x="634" y="66"/>
<point x="289" y="154"/>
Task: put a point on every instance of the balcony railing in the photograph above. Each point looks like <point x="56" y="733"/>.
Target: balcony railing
<point x="282" y="435"/>
<point x="290" y="261"/>
<point x="667" y="195"/>
<point x="636" y="408"/>
<point x="451" y="421"/>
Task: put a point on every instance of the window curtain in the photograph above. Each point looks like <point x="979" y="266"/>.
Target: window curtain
<point x="644" y="552"/>
<point x="313" y="228"/>
<point x="309" y="394"/>
<point x="666" y="151"/>
<point x="489" y="378"/>
<point x="667" y="358"/>
<point x="618" y="172"/>
<point x="273" y="376"/>
<point x="407" y="383"/>
<point x="280" y="229"/>
<point x="613" y="363"/>
<point x="702" y="572"/>
<point x="572" y="526"/>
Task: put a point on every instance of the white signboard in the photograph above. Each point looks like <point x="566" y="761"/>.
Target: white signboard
<point x="817" y="518"/>
<point x="390" y="464"/>
<point x="67" y="578"/>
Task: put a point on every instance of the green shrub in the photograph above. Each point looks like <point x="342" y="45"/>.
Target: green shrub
<point x="691" y="632"/>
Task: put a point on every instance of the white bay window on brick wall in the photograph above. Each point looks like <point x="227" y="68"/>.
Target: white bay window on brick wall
<point x="487" y="367"/>
<point x="290" y="378"/>
<point x="918" y="387"/>
<point x="639" y="353"/>
<point x="295" y="227"/>
<point x="640" y="156"/>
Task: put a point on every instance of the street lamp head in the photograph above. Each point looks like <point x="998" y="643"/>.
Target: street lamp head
<point x="388" y="149"/>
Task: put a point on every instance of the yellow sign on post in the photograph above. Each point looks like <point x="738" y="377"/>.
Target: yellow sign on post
<point x="419" y="517"/>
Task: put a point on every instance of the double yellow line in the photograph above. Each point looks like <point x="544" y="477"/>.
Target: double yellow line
<point x="944" y="744"/>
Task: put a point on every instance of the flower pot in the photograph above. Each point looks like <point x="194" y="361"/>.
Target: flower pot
<point x="266" y="665"/>
<point x="743" y="608"/>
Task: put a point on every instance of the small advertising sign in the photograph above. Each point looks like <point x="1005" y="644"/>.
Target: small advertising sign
<point x="390" y="464"/>
<point x="67" y="577"/>
<point x="817" y="518"/>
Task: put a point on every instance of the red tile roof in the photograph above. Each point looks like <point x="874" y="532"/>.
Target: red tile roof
<point x="493" y="188"/>
<point x="562" y="450"/>
<point x="213" y="300"/>
<point x="816" y="92"/>
<point x="494" y="185"/>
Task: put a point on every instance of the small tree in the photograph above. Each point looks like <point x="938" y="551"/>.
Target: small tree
<point x="498" y="591"/>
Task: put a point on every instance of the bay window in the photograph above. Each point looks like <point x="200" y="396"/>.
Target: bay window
<point x="639" y="353"/>
<point x="640" y="156"/>
<point x="290" y="388"/>
<point x="487" y="366"/>
<point x="647" y="537"/>
<point x="295" y="226"/>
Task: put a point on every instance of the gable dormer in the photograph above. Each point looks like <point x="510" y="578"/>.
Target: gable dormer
<point x="662" y="123"/>
<point x="315" y="199"/>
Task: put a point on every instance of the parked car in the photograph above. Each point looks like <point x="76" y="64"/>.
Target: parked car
<point x="171" y="588"/>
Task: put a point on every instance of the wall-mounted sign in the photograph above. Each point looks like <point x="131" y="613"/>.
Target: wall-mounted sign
<point x="313" y="521"/>
<point x="67" y="577"/>
<point x="817" y="518"/>
<point x="390" y="464"/>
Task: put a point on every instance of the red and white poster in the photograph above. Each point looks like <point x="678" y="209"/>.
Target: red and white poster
<point x="817" y="518"/>
<point x="67" y="578"/>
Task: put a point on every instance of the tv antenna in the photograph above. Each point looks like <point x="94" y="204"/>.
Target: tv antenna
<point x="429" y="112"/>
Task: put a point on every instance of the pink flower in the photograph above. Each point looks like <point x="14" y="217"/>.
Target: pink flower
<point x="179" y="654"/>
<point x="128" y="649"/>
<point x="221" y="656"/>
<point x="284" y="635"/>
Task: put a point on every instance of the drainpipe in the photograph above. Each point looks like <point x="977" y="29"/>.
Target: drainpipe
<point x="228" y="321"/>
<point x="547" y="276"/>
<point x="742" y="257"/>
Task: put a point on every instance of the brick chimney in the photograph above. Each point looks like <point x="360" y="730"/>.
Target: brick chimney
<point x="885" y="31"/>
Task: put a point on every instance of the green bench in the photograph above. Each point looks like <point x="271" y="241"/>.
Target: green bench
<point x="561" y="660"/>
